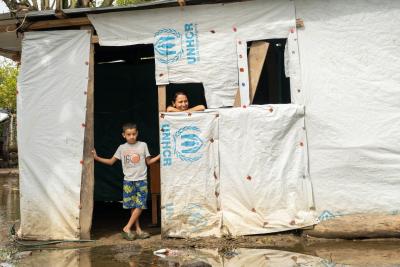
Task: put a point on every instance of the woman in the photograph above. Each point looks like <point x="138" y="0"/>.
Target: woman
<point x="181" y="103"/>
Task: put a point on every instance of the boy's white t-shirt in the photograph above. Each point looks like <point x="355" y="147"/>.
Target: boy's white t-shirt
<point x="133" y="158"/>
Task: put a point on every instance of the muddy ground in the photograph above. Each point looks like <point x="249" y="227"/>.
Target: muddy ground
<point x="108" y="248"/>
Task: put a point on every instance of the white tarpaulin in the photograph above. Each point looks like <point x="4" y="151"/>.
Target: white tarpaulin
<point x="51" y="110"/>
<point x="350" y="58"/>
<point x="189" y="168"/>
<point x="265" y="186"/>
<point x="262" y="184"/>
<point x="199" y="43"/>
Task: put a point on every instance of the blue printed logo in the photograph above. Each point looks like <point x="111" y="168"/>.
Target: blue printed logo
<point x="168" y="46"/>
<point x="187" y="144"/>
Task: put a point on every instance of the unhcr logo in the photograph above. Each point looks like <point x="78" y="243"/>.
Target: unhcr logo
<point x="168" y="46"/>
<point x="187" y="144"/>
<point x="166" y="145"/>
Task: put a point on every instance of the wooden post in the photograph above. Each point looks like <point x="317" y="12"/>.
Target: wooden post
<point x="257" y="55"/>
<point x="162" y="92"/>
<point x="155" y="168"/>
<point x="87" y="185"/>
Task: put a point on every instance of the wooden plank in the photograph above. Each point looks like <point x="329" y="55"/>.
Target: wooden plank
<point x="87" y="185"/>
<point x="155" y="190"/>
<point x="257" y="55"/>
<point x="95" y="39"/>
<point x="237" y="99"/>
<point x="162" y="91"/>
<point x="13" y="55"/>
<point x="48" y="24"/>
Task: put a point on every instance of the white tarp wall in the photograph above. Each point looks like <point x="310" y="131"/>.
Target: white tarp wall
<point x="199" y="43"/>
<point x="350" y="58"/>
<point x="189" y="169"/>
<point x="262" y="184"/>
<point x="51" y="110"/>
<point x="265" y="186"/>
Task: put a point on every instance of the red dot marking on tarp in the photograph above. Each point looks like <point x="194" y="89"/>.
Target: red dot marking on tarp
<point x="298" y="90"/>
<point x="241" y="69"/>
<point x="212" y="31"/>
<point x="240" y="42"/>
<point x="244" y="106"/>
<point x="216" y="194"/>
<point x="234" y="29"/>
<point x="83" y="125"/>
<point x="216" y="115"/>
<point x="212" y="140"/>
<point x="248" y="177"/>
<point x="86" y="62"/>
<point x="292" y="30"/>
<point x="161" y="74"/>
<point x="162" y="116"/>
<point x="81" y="162"/>
<point x="189" y="114"/>
<point x="301" y="144"/>
<point x="85" y="93"/>
<point x="218" y="209"/>
<point x="292" y="222"/>
<point x="253" y="210"/>
<point x="271" y="109"/>
<point x="17" y="92"/>
<point x="240" y="56"/>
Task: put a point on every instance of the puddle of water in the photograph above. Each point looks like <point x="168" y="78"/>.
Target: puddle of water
<point x="328" y="254"/>
<point x="135" y="257"/>
<point x="9" y="206"/>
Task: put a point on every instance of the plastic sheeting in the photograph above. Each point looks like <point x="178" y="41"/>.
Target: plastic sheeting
<point x="199" y="43"/>
<point x="250" y="171"/>
<point x="350" y="60"/>
<point x="189" y="168"/>
<point x="51" y="110"/>
<point x="265" y="186"/>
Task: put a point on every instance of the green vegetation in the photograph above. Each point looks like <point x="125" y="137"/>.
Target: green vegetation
<point x="8" y="86"/>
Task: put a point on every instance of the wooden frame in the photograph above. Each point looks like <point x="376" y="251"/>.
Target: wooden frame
<point x="87" y="183"/>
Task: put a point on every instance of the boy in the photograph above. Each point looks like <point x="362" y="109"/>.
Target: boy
<point x="134" y="156"/>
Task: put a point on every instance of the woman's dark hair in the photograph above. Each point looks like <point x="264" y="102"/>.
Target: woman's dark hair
<point x="179" y="93"/>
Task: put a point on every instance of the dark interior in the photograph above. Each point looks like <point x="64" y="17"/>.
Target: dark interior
<point x="273" y="86"/>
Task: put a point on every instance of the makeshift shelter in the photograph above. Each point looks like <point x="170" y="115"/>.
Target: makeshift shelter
<point x="257" y="163"/>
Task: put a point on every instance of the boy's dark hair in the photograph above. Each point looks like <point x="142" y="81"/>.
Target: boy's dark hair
<point x="129" y="125"/>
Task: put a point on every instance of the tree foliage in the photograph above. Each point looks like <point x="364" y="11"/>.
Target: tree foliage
<point x="8" y="86"/>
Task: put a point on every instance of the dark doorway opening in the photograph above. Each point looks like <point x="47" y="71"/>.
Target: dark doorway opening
<point x="273" y="86"/>
<point x="125" y="91"/>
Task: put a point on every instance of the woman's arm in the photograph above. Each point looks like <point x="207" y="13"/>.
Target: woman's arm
<point x="197" y="108"/>
<point x="172" y="109"/>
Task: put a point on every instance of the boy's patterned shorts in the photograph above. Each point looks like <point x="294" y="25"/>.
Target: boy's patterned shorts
<point x="134" y="194"/>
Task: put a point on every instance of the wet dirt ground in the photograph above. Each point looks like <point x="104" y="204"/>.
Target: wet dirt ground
<point x="109" y="249"/>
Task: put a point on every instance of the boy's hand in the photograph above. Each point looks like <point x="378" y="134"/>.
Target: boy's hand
<point x="94" y="153"/>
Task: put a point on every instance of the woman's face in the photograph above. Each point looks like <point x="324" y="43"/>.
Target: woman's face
<point x="181" y="103"/>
